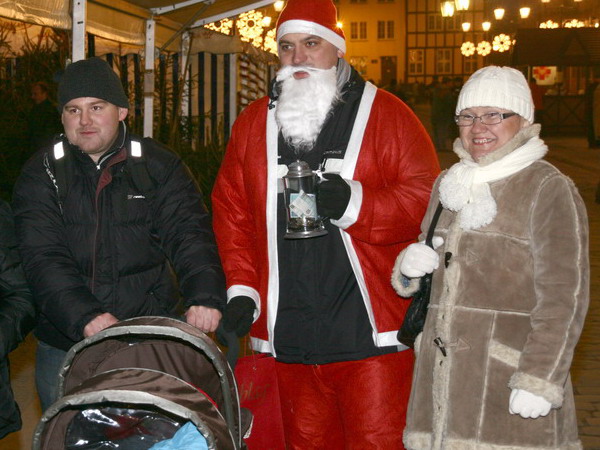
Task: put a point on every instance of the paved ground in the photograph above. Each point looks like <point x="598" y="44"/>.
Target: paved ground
<point x="570" y="155"/>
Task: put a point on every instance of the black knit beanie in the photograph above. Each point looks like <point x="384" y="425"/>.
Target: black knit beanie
<point x="91" y="77"/>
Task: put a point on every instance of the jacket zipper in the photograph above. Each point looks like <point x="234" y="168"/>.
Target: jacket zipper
<point x="103" y="181"/>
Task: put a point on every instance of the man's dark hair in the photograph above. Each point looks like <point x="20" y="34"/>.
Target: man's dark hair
<point x="43" y="86"/>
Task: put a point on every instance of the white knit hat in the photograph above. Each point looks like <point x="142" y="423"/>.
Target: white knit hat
<point x="500" y="87"/>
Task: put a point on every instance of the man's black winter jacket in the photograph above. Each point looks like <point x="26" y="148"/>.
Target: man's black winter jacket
<point x="114" y="247"/>
<point x="16" y="316"/>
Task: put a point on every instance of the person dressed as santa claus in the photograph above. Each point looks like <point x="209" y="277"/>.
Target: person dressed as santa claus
<point x="324" y="306"/>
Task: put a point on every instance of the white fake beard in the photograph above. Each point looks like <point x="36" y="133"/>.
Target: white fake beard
<point x="303" y="105"/>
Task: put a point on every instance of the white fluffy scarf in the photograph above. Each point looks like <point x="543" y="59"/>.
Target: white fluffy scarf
<point x="465" y="187"/>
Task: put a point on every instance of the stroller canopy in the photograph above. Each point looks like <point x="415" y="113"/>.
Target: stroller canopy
<point x="148" y="367"/>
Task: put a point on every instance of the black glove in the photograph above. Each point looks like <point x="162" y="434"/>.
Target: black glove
<point x="239" y="314"/>
<point x="333" y="196"/>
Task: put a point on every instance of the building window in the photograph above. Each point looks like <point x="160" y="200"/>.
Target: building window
<point x="358" y="30"/>
<point x="358" y="1"/>
<point x="454" y="23"/>
<point x="434" y="22"/>
<point x="385" y="1"/>
<point x="380" y="29"/>
<point x="385" y="30"/>
<point x="443" y="60"/>
<point x="470" y="65"/>
<point x="415" y="62"/>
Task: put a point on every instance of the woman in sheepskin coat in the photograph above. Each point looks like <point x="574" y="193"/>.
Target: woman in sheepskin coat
<point x="510" y="284"/>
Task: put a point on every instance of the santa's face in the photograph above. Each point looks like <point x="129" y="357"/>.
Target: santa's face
<point x="301" y="49"/>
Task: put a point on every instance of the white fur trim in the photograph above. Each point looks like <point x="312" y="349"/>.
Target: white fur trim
<point x="504" y="353"/>
<point x="389" y="338"/>
<point x="304" y="26"/>
<point x="240" y="289"/>
<point x="358" y="132"/>
<point x="402" y="288"/>
<point x="416" y="440"/>
<point x="262" y="346"/>
<point x="271" y="212"/>
<point x="538" y="386"/>
<point x="420" y="440"/>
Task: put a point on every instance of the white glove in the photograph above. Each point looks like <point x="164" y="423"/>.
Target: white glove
<point x="528" y="405"/>
<point x="419" y="259"/>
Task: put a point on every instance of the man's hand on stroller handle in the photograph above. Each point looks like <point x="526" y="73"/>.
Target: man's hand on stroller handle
<point x="98" y="324"/>
<point x="204" y="318"/>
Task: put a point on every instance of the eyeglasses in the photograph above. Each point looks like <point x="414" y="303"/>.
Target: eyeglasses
<point x="493" y="118"/>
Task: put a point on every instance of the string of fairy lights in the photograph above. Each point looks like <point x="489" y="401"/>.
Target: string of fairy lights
<point x="252" y="27"/>
<point x="503" y="42"/>
<point x="256" y="27"/>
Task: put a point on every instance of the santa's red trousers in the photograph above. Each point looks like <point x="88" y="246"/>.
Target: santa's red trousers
<point x="346" y="405"/>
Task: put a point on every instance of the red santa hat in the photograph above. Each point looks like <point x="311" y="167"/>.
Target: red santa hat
<point x="316" y="17"/>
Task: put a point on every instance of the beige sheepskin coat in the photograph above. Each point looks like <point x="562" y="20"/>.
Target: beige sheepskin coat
<point x="509" y="305"/>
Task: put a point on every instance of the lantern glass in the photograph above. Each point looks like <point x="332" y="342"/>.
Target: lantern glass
<point x="461" y="5"/>
<point x="466" y="26"/>
<point x="447" y="9"/>
<point x="524" y="12"/>
<point x="278" y="5"/>
<point x="485" y="26"/>
<point x="499" y="13"/>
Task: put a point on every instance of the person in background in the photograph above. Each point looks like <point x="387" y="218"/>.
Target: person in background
<point x="110" y="226"/>
<point x="510" y="286"/>
<point x="17" y="316"/>
<point x="442" y="104"/>
<point x="323" y="306"/>
<point x="537" y="94"/>
<point x="44" y="119"/>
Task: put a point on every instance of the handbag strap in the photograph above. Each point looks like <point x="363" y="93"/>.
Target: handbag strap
<point x="434" y="221"/>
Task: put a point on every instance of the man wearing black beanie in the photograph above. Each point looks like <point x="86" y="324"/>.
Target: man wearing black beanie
<point x="106" y="220"/>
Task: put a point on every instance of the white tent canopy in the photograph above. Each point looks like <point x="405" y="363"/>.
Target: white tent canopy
<point x="153" y="24"/>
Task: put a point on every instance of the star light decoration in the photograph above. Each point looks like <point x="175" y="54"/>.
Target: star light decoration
<point x="574" y="24"/>
<point x="501" y="43"/>
<point x="250" y="27"/>
<point x="484" y="48"/>
<point x="548" y="24"/>
<point x="222" y="26"/>
<point x="270" y="42"/>
<point x="467" y="48"/>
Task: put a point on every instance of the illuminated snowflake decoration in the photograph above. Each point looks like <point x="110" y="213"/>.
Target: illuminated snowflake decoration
<point x="270" y="42"/>
<point x="574" y="24"/>
<point x="223" y="26"/>
<point x="467" y="49"/>
<point x="484" y="48"/>
<point x="501" y="43"/>
<point x="548" y="24"/>
<point x="250" y="26"/>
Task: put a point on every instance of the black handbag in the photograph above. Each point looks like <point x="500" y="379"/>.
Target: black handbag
<point x="414" y="319"/>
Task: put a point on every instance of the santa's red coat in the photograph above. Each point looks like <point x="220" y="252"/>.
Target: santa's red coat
<point x="392" y="165"/>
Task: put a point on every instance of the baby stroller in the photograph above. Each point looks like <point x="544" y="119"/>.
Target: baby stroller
<point x="139" y="382"/>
